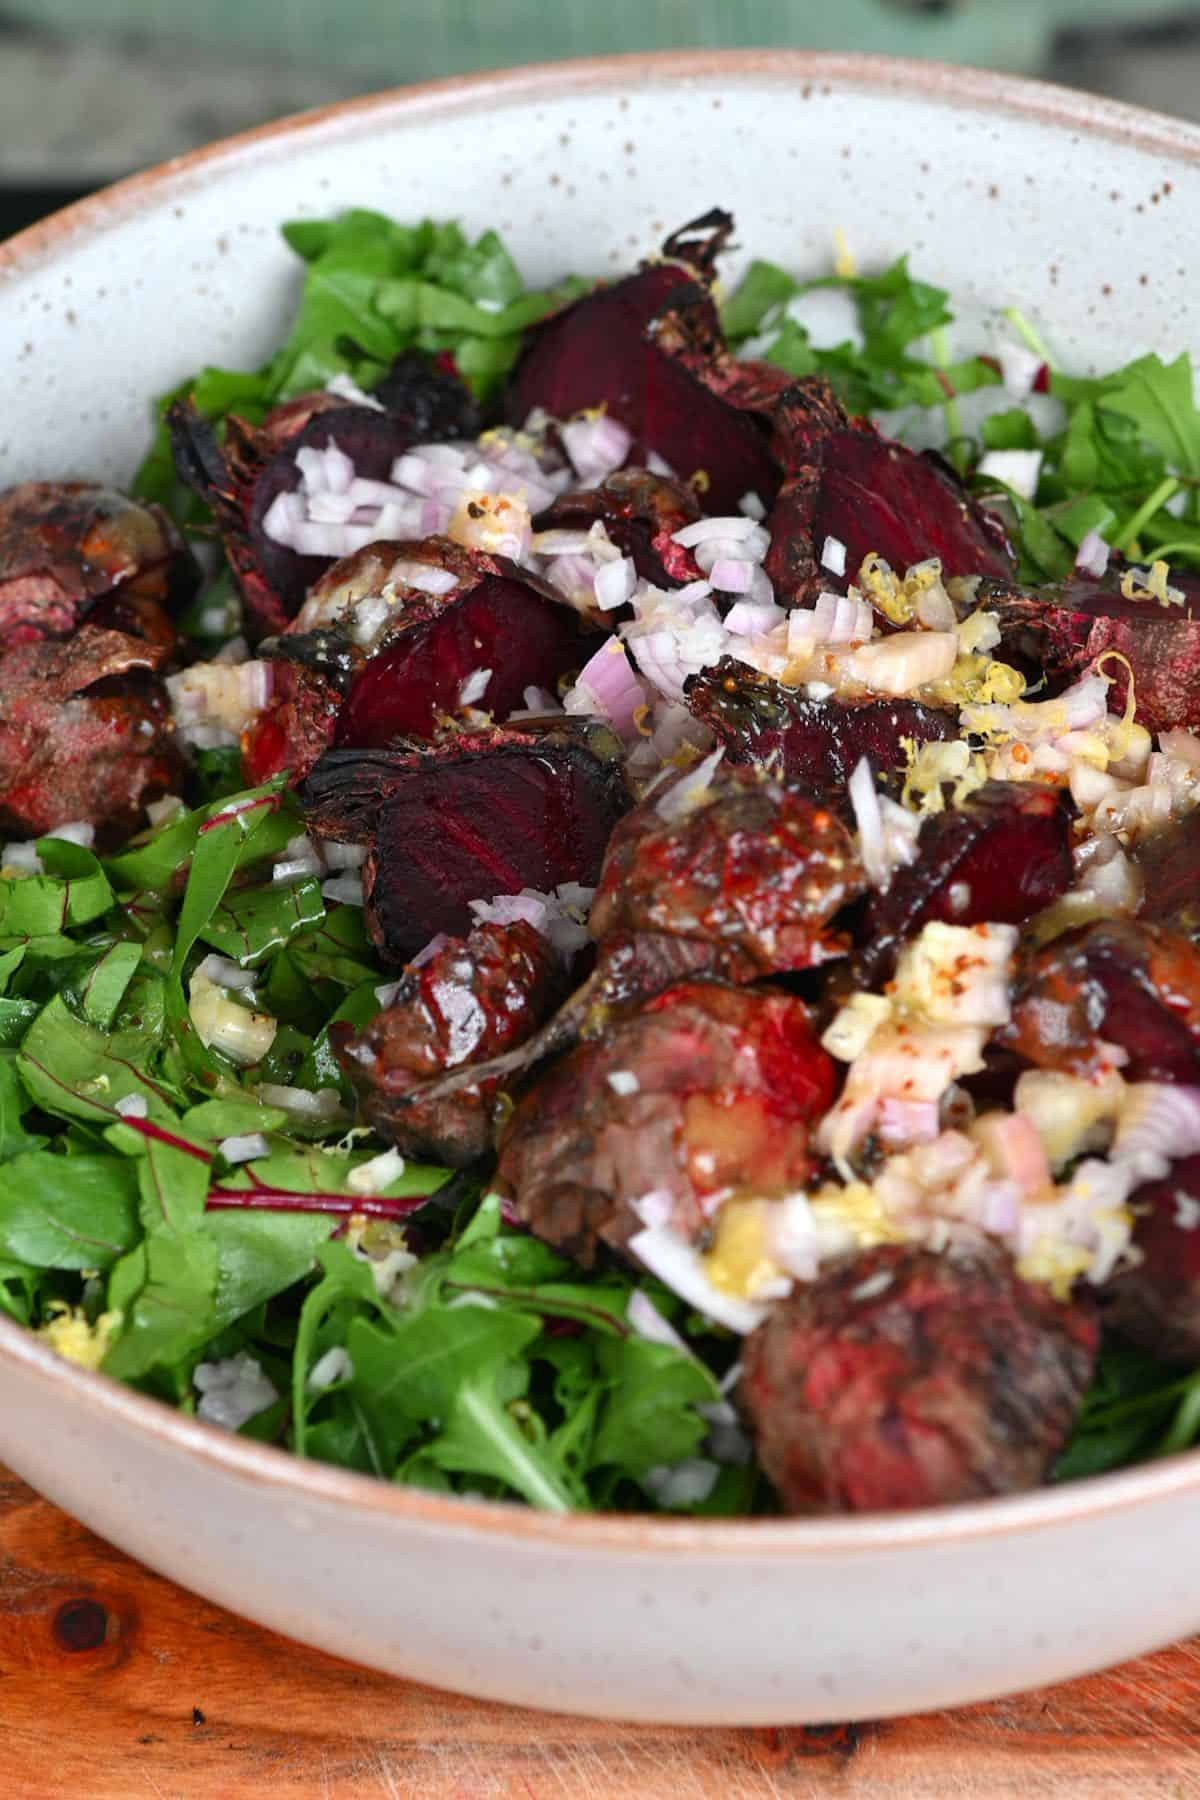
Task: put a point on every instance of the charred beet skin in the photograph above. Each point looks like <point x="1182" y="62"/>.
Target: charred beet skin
<point x="1156" y="1303"/>
<point x="473" y="816"/>
<point x="608" y="350"/>
<point x="436" y="403"/>
<point x="1112" y="982"/>
<point x="844" y="480"/>
<point x="294" y="728"/>
<point x="85" y="734"/>
<point x="1064" y="628"/>
<point x="750" y="865"/>
<point x="815" y="743"/>
<point x="728" y="1082"/>
<point x="999" y="857"/>
<point x="904" y="1378"/>
<point x="477" y="997"/>
<point x="1169" y="863"/>
<point x="641" y="513"/>
<point x="67" y="547"/>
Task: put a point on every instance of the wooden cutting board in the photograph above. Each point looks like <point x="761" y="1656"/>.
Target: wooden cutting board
<point x="114" y="1682"/>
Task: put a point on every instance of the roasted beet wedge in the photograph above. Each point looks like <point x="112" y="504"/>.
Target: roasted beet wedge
<point x="814" y="743"/>
<point x="85" y="734"/>
<point x="1169" y="863"/>
<point x="294" y="728"/>
<point x="1117" y="982"/>
<point x="498" y="621"/>
<point x="709" y="1087"/>
<point x="745" y="863"/>
<point x="472" y="816"/>
<point x="1156" y="1302"/>
<point x="842" y="479"/>
<point x="641" y="513"/>
<point x="1000" y="857"/>
<point x="67" y="547"/>
<point x="1063" y="629"/>
<point x="476" y="998"/>
<point x="904" y="1378"/>
<point x="242" y="479"/>
<point x="605" y="350"/>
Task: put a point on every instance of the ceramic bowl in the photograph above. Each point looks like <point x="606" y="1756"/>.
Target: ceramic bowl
<point x="1082" y="212"/>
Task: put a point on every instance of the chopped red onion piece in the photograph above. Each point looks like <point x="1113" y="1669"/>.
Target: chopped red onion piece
<point x="596" y="446"/>
<point x="346" y="888"/>
<point x="474" y="687"/>
<point x="1019" y="368"/>
<point x="833" y="556"/>
<point x="1017" y="469"/>
<point x="752" y="506"/>
<point x="737" y="528"/>
<point x="752" y="618"/>
<point x="681" y="1268"/>
<point x="730" y="576"/>
<point x="614" y="584"/>
<point x="246" y="1148"/>
<point x="1092" y="555"/>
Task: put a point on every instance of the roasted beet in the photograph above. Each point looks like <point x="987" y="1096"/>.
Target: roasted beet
<point x="498" y="620"/>
<point x="67" y="547"/>
<point x="708" y="1087"/>
<point x="999" y="857"/>
<point x="242" y="479"/>
<point x="1169" y="864"/>
<point x="476" y="998"/>
<point x="608" y="350"/>
<point x="437" y="403"/>
<point x="1156" y="1302"/>
<point x="641" y="513"/>
<point x="473" y="816"/>
<point x="844" y="480"/>
<point x="1064" y="628"/>
<point x="747" y="863"/>
<point x="904" y="1378"/>
<point x="814" y="743"/>
<point x="85" y="734"/>
<point x="1115" y="982"/>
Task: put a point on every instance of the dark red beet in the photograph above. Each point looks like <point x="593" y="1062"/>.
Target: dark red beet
<point x="729" y="1081"/>
<point x="604" y="350"/>
<point x="641" y="513"/>
<point x="753" y="867"/>
<point x="904" y="1378"/>
<point x="842" y="479"/>
<point x="1063" y="629"/>
<point x="814" y="743"/>
<point x="85" y="733"/>
<point x="478" y="997"/>
<point x="473" y="816"/>
<point x="68" y="547"/>
<point x="437" y="403"/>
<point x="1156" y="1303"/>
<point x="505" y="624"/>
<point x="1112" y="982"/>
<point x="1000" y="857"/>
<point x="1169" y="864"/>
<point x="294" y="728"/>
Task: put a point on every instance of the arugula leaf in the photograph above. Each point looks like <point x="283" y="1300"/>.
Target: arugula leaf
<point x="649" y="1415"/>
<point x="166" y="1286"/>
<point x="346" y="1283"/>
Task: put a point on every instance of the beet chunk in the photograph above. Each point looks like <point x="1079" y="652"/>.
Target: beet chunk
<point x="843" y="479"/>
<point x="749" y="865"/>
<point x="476" y="998"/>
<point x="68" y="546"/>
<point x="505" y="625"/>
<point x="728" y="1082"/>
<point x="902" y="1378"/>
<point x="436" y="403"/>
<point x="475" y="815"/>
<point x="1000" y="857"/>
<point x="1169" y="863"/>
<point x="85" y="733"/>
<point x="1116" y="982"/>
<point x="609" y="349"/>
<point x="814" y="743"/>
<point x="294" y="728"/>
<point x="1063" y="629"/>
<point x="641" y="513"/>
<point x="1156" y="1303"/>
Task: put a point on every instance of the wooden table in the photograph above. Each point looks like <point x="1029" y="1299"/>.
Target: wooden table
<point x="114" y="1682"/>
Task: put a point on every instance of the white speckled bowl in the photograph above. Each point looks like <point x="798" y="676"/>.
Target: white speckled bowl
<point x="1082" y="212"/>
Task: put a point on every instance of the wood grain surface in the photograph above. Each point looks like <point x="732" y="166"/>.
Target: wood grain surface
<point x="114" y="1682"/>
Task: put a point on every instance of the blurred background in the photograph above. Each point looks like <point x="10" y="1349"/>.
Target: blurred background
<point x="93" y="89"/>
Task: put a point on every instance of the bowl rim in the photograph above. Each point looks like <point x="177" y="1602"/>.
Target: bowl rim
<point x="397" y="1507"/>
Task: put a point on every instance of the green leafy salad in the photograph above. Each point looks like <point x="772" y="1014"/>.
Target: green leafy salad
<point x="222" y="1231"/>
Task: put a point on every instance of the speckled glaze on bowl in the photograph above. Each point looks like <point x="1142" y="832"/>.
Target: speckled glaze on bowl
<point x="1080" y="211"/>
